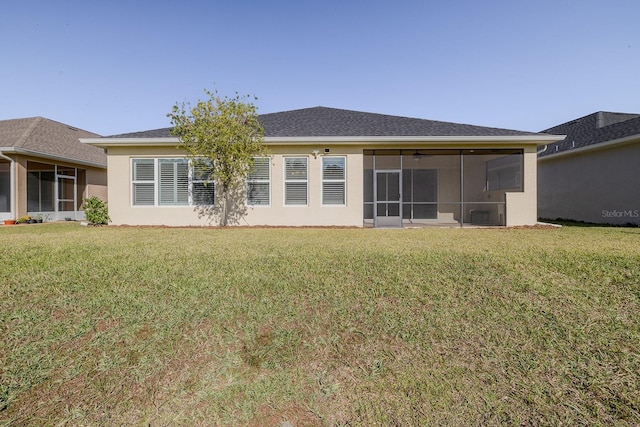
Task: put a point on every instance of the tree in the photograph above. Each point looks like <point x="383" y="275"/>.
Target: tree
<point x="221" y="136"/>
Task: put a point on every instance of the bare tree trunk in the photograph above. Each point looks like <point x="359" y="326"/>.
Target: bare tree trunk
<point x="224" y="215"/>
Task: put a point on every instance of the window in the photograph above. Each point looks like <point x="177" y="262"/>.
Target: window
<point x="295" y="181"/>
<point x="171" y="182"/>
<point x="258" y="185"/>
<point x="143" y="182"/>
<point x="173" y="187"/>
<point x="333" y="180"/>
<point x="203" y="188"/>
<point x="505" y="173"/>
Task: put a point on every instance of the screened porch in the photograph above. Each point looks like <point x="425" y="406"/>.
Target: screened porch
<point x="439" y="187"/>
<point x="54" y="191"/>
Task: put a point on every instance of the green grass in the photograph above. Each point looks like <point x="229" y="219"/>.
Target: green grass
<point x="336" y="327"/>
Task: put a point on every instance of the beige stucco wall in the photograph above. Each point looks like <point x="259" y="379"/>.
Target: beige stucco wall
<point x="121" y="210"/>
<point x="521" y="207"/>
<point x="20" y="164"/>
<point x="600" y="185"/>
<point x="96" y="183"/>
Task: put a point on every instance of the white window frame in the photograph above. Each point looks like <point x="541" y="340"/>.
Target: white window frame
<point x="134" y="182"/>
<point x="175" y="162"/>
<point x="267" y="181"/>
<point x="295" y="181"/>
<point x="156" y="183"/>
<point x="193" y="180"/>
<point x="328" y="181"/>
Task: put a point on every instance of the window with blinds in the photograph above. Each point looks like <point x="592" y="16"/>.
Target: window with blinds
<point x="202" y="184"/>
<point x="258" y="183"/>
<point x="295" y="181"/>
<point x="333" y="180"/>
<point x="173" y="182"/>
<point x="143" y="180"/>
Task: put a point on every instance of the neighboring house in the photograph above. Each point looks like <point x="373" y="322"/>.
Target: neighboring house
<point x="45" y="170"/>
<point x="593" y="175"/>
<point x="331" y="167"/>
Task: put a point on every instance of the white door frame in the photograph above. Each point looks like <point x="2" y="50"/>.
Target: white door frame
<point x="386" y="220"/>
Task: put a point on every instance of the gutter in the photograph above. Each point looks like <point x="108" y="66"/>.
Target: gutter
<point x="12" y="183"/>
<point x="542" y="150"/>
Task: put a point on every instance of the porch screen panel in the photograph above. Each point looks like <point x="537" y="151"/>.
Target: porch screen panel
<point x="388" y="159"/>
<point x="439" y="182"/>
<point x="47" y="191"/>
<point x="368" y="185"/>
<point x="488" y="175"/>
<point x="33" y="191"/>
<point x="387" y="195"/>
<point x="66" y="194"/>
<point x="419" y="193"/>
<point x="41" y="179"/>
<point x="505" y="172"/>
<point x="81" y="186"/>
<point x="5" y="187"/>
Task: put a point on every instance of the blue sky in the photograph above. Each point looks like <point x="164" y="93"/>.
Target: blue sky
<point x="113" y="66"/>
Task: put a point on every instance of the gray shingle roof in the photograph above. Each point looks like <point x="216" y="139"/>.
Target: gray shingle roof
<point x="595" y="128"/>
<point x="330" y="122"/>
<point x="48" y="137"/>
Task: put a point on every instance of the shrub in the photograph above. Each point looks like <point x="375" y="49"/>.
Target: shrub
<point x="96" y="211"/>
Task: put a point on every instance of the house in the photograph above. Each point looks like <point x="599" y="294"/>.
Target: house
<point x="45" y="170"/>
<point x="332" y="167"/>
<point x="593" y="175"/>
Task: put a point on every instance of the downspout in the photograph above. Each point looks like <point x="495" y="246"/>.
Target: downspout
<point x="12" y="184"/>
<point x="542" y="150"/>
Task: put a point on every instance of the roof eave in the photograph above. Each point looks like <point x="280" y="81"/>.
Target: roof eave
<point x="341" y="140"/>
<point x="47" y="156"/>
<point x="111" y="142"/>
<point x="592" y="147"/>
<point x="399" y="140"/>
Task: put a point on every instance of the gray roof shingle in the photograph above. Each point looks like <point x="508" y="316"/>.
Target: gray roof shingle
<point x="333" y="122"/>
<point x="48" y="137"/>
<point x="595" y="128"/>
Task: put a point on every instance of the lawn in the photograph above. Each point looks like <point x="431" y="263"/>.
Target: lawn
<point x="315" y="327"/>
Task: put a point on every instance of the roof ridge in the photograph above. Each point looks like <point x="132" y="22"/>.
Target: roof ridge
<point x="20" y="142"/>
<point x="609" y="118"/>
<point x="598" y="116"/>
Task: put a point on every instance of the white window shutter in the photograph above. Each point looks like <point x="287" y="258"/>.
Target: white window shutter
<point x="333" y="180"/>
<point x="258" y="182"/>
<point x="143" y="181"/>
<point x="296" y="185"/>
